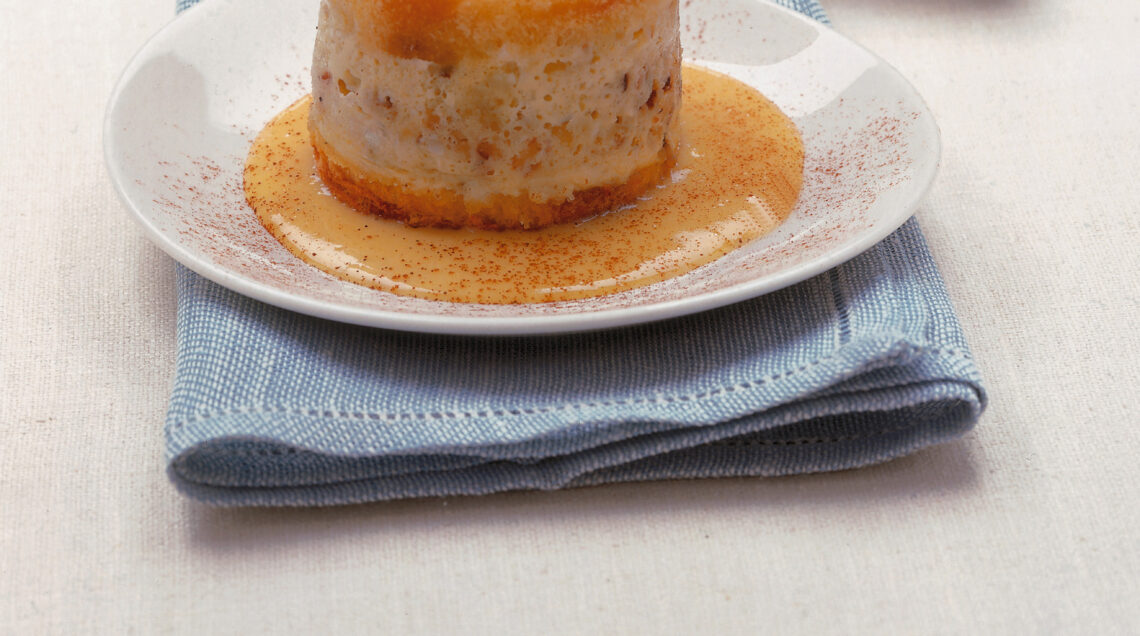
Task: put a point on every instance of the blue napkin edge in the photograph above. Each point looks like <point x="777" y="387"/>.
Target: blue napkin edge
<point x="727" y="457"/>
<point x="570" y="420"/>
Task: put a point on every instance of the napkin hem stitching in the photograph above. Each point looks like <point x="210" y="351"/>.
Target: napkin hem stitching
<point x="840" y="301"/>
<point x="667" y="399"/>
<point x="277" y="452"/>
<point x="812" y="440"/>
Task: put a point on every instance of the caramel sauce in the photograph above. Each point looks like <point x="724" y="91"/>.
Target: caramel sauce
<point x="738" y="177"/>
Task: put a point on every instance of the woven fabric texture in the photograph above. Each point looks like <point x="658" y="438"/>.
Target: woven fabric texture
<point x="856" y="366"/>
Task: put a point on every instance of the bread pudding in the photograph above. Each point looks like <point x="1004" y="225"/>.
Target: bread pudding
<point x="495" y="114"/>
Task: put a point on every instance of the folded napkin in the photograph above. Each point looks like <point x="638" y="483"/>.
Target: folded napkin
<point x="856" y="366"/>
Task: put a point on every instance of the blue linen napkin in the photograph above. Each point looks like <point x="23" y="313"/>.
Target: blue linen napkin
<point x="856" y="366"/>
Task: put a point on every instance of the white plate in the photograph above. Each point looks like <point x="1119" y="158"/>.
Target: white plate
<point x="182" y="118"/>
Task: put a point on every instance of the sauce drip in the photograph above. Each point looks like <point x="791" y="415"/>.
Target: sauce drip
<point x="738" y="177"/>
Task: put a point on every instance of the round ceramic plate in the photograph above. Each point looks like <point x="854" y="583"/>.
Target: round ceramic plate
<point x="182" y="118"/>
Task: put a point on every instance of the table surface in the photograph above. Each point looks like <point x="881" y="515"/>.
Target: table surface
<point x="1028" y="524"/>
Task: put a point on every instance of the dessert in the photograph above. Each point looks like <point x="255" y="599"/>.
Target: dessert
<point x="495" y="114"/>
<point x="509" y="118"/>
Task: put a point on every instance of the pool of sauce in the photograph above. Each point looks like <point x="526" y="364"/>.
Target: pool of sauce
<point x="738" y="177"/>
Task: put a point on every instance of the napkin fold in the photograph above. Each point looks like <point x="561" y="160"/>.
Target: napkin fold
<point x="856" y="366"/>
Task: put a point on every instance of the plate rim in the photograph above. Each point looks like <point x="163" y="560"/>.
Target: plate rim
<point x="547" y="324"/>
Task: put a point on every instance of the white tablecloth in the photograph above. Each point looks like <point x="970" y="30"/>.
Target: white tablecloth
<point x="1030" y="524"/>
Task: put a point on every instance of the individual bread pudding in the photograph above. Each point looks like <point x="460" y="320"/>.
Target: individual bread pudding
<point x="495" y="114"/>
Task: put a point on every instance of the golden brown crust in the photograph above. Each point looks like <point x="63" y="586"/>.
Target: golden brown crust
<point x="443" y="208"/>
<point x="444" y="31"/>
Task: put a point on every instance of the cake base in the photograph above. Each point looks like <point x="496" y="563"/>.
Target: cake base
<point x="444" y="208"/>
